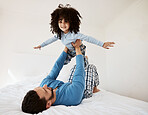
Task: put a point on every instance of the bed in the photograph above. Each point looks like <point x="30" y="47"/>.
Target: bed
<point x="102" y="103"/>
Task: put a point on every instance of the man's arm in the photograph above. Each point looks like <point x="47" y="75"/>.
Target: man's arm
<point x="76" y="89"/>
<point x="79" y="72"/>
<point x="58" y="65"/>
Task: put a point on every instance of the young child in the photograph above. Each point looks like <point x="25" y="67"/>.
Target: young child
<point x="65" y="22"/>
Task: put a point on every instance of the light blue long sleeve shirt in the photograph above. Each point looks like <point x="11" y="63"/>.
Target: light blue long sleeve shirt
<point x="72" y="37"/>
<point x="67" y="93"/>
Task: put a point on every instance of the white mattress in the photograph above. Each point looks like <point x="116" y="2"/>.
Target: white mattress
<point x="102" y="103"/>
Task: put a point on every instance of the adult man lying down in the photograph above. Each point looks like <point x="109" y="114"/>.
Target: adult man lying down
<point x="55" y="92"/>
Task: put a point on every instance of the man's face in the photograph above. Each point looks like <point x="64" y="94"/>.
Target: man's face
<point x="44" y="92"/>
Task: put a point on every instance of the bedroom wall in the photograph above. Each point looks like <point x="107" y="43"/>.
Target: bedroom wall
<point x="127" y="64"/>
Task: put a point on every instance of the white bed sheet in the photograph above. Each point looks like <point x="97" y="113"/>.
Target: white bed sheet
<point x="102" y="103"/>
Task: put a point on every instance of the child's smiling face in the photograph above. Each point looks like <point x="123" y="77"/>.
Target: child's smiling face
<point x="64" y="25"/>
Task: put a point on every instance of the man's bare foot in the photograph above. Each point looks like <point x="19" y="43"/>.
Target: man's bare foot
<point x="95" y="90"/>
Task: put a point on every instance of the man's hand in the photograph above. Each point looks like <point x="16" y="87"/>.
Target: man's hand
<point x="106" y="45"/>
<point x="76" y="45"/>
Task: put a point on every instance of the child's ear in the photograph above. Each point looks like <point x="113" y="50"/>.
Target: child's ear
<point x="48" y="104"/>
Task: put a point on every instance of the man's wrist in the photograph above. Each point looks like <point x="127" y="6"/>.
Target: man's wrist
<point x="78" y="51"/>
<point x="65" y="49"/>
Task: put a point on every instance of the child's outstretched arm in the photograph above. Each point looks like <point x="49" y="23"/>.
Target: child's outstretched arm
<point x="49" y="41"/>
<point x="89" y="39"/>
<point x="92" y="40"/>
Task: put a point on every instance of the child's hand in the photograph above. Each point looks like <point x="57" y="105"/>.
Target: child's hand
<point x="38" y="47"/>
<point x="106" y="45"/>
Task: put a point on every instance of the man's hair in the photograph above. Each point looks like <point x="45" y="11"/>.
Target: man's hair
<point x="32" y="103"/>
<point x="68" y="13"/>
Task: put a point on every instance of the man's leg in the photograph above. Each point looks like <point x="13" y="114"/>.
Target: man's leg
<point x="96" y="79"/>
<point x="91" y="80"/>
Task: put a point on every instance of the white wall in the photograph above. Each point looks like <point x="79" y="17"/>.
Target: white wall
<point x="127" y="64"/>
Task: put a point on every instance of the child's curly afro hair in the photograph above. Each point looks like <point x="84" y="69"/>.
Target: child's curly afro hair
<point x="68" y="13"/>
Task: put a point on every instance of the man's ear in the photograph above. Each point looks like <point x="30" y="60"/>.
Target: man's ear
<point x="48" y="104"/>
